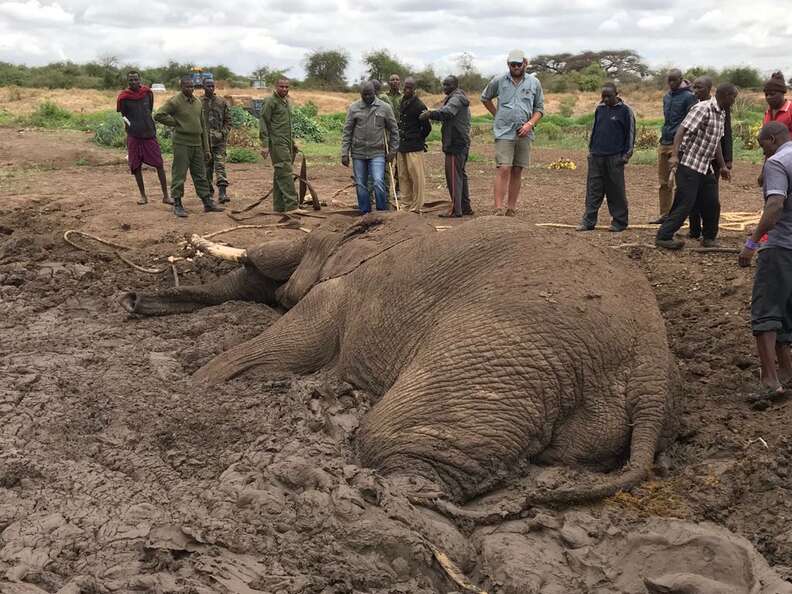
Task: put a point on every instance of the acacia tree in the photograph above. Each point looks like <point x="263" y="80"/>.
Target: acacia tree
<point x="381" y="64"/>
<point x="623" y="64"/>
<point x="325" y="69"/>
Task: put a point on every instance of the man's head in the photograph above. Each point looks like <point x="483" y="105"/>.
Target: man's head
<point x="517" y="63"/>
<point x="282" y="88"/>
<point x="367" y="92"/>
<point x="610" y="94"/>
<point x="187" y="86"/>
<point x="377" y="85"/>
<point x="702" y="88"/>
<point x="209" y="88"/>
<point x="409" y="87"/>
<point x="725" y="94"/>
<point x="771" y="136"/>
<point x="674" y="78"/>
<point x="775" y="90"/>
<point x="394" y="82"/>
<point x="450" y="84"/>
<point x="133" y="80"/>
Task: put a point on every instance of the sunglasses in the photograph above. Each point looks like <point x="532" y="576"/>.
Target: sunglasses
<point x="515" y="64"/>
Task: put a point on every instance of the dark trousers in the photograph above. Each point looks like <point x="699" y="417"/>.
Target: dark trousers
<point x="706" y="210"/>
<point x="606" y="179"/>
<point x="693" y="187"/>
<point x="457" y="181"/>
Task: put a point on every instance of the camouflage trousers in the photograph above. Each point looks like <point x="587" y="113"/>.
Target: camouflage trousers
<point x="216" y="168"/>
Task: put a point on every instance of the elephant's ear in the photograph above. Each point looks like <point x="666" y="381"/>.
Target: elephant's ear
<point x="372" y="235"/>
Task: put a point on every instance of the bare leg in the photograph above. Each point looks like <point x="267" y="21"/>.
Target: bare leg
<point x="515" y="179"/>
<point x="138" y="173"/>
<point x="502" y="175"/>
<point x="164" y="184"/>
<point x="766" y="346"/>
<point x="784" y="358"/>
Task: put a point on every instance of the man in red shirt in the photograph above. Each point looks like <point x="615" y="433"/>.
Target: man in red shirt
<point x="135" y="104"/>
<point x="778" y="108"/>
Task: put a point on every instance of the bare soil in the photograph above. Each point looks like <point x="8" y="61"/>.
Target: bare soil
<point x="116" y="474"/>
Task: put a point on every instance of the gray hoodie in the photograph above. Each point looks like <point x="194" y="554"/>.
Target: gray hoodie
<point x="455" y="116"/>
<point x="364" y="131"/>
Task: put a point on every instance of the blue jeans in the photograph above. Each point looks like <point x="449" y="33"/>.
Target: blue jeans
<point x="376" y="168"/>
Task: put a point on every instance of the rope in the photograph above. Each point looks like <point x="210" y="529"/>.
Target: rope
<point x="116" y="252"/>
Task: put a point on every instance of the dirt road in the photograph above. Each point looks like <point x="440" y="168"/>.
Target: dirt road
<point x="116" y="474"/>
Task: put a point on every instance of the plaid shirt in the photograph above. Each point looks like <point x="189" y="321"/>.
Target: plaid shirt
<point x="704" y="128"/>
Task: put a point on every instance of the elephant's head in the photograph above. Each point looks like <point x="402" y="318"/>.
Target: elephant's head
<point x="281" y="271"/>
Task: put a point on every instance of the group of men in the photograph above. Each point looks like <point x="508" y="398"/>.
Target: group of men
<point x="200" y="132"/>
<point x="383" y="128"/>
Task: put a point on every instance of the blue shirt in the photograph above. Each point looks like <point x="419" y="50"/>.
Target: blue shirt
<point x="778" y="182"/>
<point x="516" y="103"/>
<point x="614" y="130"/>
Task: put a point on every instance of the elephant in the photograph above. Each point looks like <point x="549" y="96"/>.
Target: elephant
<point x="485" y="347"/>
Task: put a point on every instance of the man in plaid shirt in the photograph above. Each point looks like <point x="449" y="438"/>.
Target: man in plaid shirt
<point x="697" y="143"/>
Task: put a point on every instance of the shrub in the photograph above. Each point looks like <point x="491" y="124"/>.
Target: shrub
<point x="306" y="125"/>
<point x="747" y="133"/>
<point x="646" y="138"/>
<point x="239" y="154"/>
<point x="567" y="107"/>
<point x="550" y="130"/>
<point x="241" y="118"/>
<point x="49" y="115"/>
<point x="111" y="131"/>
<point x="333" y="122"/>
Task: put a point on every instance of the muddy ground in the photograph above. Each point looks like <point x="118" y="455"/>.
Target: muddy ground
<point x="116" y="474"/>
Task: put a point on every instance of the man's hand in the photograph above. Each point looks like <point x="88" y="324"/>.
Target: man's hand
<point x="760" y="180"/>
<point x="626" y="158"/>
<point x="208" y="157"/>
<point x="726" y="173"/>
<point x="525" y="129"/>
<point x="424" y="115"/>
<point x="265" y="153"/>
<point x="391" y="156"/>
<point x="673" y="161"/>
<point x="745" y="257"/>
<point x="345" y="160"/>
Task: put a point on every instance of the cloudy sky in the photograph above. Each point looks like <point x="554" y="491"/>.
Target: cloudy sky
<point x="246" y="33"/>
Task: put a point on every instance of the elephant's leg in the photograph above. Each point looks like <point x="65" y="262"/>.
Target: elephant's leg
<point x="303" y="340"/>
<point x="243" y="284"/>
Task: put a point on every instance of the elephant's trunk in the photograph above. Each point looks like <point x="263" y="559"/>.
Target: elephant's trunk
<point x="244" y="284"/>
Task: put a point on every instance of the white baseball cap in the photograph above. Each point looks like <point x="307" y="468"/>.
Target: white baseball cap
<point x="516" y="55"/>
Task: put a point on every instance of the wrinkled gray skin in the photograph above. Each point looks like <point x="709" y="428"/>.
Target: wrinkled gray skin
<point x="485" y="347"/>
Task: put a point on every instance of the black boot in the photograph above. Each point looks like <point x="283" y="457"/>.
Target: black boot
<point x="178" y="209"/>
<point x="210" y="206"/>
<point x="222" y="197"/>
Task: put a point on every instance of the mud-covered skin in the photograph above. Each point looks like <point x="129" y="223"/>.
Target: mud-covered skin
<point x="486" y="347"/>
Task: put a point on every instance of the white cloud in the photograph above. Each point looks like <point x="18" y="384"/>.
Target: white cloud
<point x="655" y="22"/>
<point x="34" y="12"/>
<point x="609" y="26"/>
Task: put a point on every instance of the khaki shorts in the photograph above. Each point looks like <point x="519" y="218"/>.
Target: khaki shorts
<point x="515" y="153"/>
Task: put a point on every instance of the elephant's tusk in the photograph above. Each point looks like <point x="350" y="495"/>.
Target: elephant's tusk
<point x="224" y="252"/>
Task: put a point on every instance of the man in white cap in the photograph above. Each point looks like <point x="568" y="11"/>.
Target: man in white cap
<point x="520" y="107"/>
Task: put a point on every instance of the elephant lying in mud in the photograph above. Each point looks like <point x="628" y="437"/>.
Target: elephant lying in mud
<point x="486" y="347"/>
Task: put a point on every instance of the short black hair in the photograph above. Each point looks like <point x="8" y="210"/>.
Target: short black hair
<point x="186" y="78"/>
<point x="609" y="84"/>
<point x="726" y="88"/>
<point x="131" y="72"/>
<point x="776" y="129"/>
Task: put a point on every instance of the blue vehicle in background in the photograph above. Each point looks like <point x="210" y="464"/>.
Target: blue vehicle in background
<point x="199" y="76"/>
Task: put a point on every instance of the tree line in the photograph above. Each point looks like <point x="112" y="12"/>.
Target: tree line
<point x="326" y="69"/>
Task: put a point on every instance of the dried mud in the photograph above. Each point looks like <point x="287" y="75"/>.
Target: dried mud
<point x="117" y="474"/>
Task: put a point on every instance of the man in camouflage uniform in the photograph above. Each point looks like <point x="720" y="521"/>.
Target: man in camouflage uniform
<point x="218" y="124"/>
<point x="278" y="143"/>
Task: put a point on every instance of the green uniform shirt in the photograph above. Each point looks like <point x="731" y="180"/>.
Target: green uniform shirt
<point x="394" y="99"/>
<point x="217" y="116"/>
<point x="185" y="116"/>
<point x="275" y="128"/>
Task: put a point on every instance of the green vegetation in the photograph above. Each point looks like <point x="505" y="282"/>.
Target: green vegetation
<point x="241" y="154"/>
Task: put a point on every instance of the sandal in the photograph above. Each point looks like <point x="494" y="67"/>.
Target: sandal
<point x="763" y="393"/>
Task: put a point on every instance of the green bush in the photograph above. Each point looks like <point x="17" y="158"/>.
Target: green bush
<point x="549" y="130"/>
<point x="111" y="131"/>
<point x="49" y="115"/>
<point x="567" y="106"/>
<point x="333" y="122"/>
<point x="239" y="154"/>
<point x="647" y="138"/>
<point x="241" y="118"/>
<point x="305" y="124"/>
